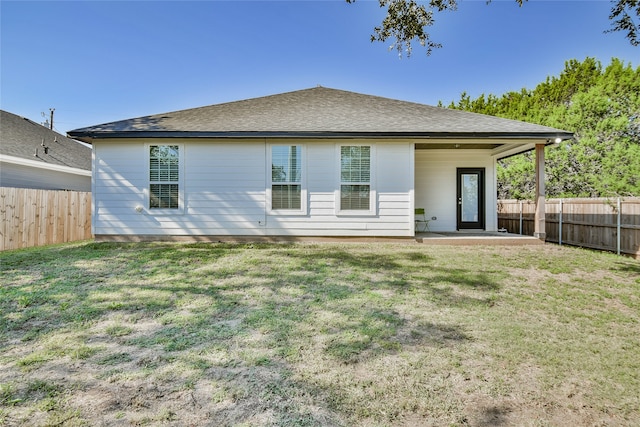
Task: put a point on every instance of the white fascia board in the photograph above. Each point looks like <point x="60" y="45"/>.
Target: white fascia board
<point x="34" y="164"/>
<point x="512" y="149"/>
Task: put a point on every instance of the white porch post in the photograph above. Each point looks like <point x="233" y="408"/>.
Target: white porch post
<point x="539" y="226"/>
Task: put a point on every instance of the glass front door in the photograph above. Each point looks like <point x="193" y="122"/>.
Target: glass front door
<point x="470" y="198"/>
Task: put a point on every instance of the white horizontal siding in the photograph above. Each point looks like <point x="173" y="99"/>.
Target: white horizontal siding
<point x="224" y="187"/>
<point x="322" y="171"/>
<point x="229" y="195"/>
<point x="118" y="186"/>
<point x="394" y="169"/>
<point x="393" y="197"/>
<point x="435" y="185"/>
<point x="180" y="231"/>
<point x="22" y="176"/>
<point x="208" y="183"/>
<point x="236" y="210"/>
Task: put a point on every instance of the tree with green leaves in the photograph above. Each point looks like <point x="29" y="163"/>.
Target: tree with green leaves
<point x="601" y="106"/>
<point x="408" y="20"/>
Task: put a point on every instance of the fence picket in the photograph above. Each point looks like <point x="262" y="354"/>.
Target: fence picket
<point x="599" y="223"/>
<point x="41" y="217"/>
<point x="32" y="217"/>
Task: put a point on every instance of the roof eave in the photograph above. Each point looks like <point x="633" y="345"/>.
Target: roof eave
<point x="42" y="165"/>
<point x="88" y="137"/>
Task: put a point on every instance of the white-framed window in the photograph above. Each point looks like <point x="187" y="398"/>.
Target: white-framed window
<point x="287" y="193"/>
<point x="357" y="194"/>
<point x="165" y="178"/>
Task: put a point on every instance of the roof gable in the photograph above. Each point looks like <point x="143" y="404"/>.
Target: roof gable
<point x="22" y="138"/>
<point x="319" y="112"/>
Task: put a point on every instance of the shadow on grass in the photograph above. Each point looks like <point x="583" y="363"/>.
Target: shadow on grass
<point x="62" y="287"/>
<point x="215" y="298"/>
<point x="632" y="267"/>
<point x="494" y="416"/>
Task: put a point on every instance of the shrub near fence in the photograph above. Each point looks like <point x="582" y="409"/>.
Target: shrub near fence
<point x="32" y="217"/>
<point x="605" y="224"/>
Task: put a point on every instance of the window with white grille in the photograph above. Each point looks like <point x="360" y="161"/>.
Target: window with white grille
<point x="286" y="177"/>
<point x="355" y="178"/>
<point x="164" y="177"/>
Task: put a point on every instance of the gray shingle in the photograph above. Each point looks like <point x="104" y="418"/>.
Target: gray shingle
<point x="20" y="137"/>
<point x="320" y="111"/>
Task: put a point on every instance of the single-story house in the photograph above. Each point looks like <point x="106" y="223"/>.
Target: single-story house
<point x="33" y="156"/>
<point x="314" y="162"/>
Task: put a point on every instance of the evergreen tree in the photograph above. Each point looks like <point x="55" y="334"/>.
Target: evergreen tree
<point x="602" y="108"/>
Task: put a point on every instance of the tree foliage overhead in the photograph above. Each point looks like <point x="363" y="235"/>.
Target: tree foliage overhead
<point x="407" y="21"/>
<point x="601" y="106"/>
<point x="622" y="17"/>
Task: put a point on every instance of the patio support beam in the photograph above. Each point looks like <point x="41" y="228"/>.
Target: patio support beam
<point x="539" y="225"/>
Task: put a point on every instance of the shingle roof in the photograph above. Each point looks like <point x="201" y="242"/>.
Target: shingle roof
<point x="20" y="137"/>
<point x="319" y="112"/>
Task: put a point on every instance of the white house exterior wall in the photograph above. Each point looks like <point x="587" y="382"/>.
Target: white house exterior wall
<point x="435" y="183"/>
<point x="27" y="176"/>
<point x="224" y="187"/>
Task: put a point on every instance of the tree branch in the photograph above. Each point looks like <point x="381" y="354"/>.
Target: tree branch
<point x="407" y="21"/>
<point x="623" y="10"/>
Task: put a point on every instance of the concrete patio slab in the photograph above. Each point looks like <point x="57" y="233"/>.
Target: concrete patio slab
<point x="465" y="238"/>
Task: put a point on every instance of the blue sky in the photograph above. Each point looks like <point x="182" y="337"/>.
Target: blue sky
<point x="100" y="61"/>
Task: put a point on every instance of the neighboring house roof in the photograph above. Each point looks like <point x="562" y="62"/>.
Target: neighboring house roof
<point x="22" y="139"/>
<point x="319" y="112"/>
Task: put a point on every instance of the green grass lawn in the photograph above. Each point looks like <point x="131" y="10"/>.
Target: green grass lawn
<point x="318" y="334"/>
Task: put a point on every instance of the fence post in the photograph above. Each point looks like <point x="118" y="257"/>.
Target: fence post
<point x="520" y="216"/>
<point x="619" y="224"/>
<point x="560" y="225"/>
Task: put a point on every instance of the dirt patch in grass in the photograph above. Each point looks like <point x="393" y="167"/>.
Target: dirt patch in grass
<point x="318" y="335"/>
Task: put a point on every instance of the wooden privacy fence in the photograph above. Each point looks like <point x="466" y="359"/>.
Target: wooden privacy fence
<point x="33" y="217"/>
<point x="605" y="224"/>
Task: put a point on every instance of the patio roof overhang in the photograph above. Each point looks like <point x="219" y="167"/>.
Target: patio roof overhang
<point x="498" y="141"/>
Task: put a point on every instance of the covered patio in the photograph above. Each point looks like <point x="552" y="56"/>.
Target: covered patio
<point x="481" y="238"/>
